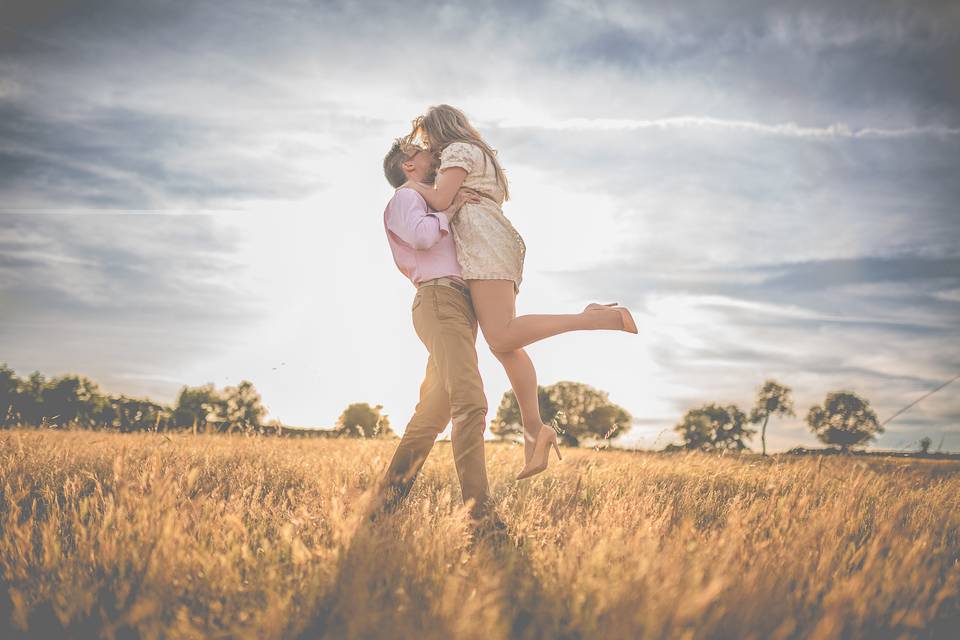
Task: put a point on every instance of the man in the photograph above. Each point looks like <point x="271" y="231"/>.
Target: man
<point x="444" y="320"/>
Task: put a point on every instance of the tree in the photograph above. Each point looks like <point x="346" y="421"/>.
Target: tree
<point x="133" y="414"/>
<point x="242" y="406"/>
<point x="581" y="411"/>
<point x="925" y="443"/>
<point x="509" y="423"/>
<point x="360" y="420"/>
<point x="713" y="427"/>
<point x="845" y="419"/>
<point x="76" y="400"/>
<point x="196" y="404"/>
<point x="9" y="383"/>
<point x="772" y="399"/>
<point x="28" y="403"/>
<point x="73" y="399"/>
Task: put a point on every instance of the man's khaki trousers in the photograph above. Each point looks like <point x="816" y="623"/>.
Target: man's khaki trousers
<point x="452" y="389"/>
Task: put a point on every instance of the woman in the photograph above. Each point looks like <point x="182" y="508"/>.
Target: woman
<point x="491" y="253"/>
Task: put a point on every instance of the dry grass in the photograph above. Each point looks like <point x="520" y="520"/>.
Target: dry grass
<point x="204" y="537"/>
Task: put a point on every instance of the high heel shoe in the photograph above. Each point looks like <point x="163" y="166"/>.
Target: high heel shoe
<point x="626" y="319"/>
<point x="593" y="306"/>
<point x="628" y="324"/>
<point x="541" y="452"/>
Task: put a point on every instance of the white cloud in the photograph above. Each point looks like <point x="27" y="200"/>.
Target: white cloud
<point x="788" y="129"/>
<point x="953" y="295"/>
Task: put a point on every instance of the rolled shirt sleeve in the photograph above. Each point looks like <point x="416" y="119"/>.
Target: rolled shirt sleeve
<point x="412" y="223"/>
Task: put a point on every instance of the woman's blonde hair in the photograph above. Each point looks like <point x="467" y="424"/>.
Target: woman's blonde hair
<point x="443" y="125"/>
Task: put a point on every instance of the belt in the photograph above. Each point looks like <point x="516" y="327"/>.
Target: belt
<point x="446" y="282"/>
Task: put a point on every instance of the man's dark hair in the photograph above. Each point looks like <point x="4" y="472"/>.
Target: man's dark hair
<point x="393" y="164"/>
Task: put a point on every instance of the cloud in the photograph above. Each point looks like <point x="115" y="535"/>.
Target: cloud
<point x="789" y="129"/>
<point x="917" y="270"/>
<point x="112" y="295"/>
<point x="695" y="196"/>
<point x="789" y="62"/>
<point x="873" y="325"/>
<point x="123" y="159"/>
<point x="198" y="96"/>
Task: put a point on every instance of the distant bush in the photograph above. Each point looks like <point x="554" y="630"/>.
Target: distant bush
<point x="360" y="420"/>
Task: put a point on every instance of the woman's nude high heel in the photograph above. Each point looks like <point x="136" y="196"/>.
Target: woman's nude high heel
<point x="626" y="319"/>
<point x="628" y="324"/>
<point x="541" y="452"/>
<point x="593" y="306"/>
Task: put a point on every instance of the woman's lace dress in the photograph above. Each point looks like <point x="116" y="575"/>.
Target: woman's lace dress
<point x="488" y="247"/>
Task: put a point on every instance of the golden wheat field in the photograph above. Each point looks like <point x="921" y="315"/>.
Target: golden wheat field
<point x="152" y="535"/>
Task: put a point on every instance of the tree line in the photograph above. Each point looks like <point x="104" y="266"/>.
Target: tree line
<point x="77" y="402"/>
<point x="845" y="420"/>
<point x="578" y="411"/>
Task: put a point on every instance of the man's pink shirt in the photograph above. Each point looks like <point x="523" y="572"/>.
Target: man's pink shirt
<point x="420" y="238"/>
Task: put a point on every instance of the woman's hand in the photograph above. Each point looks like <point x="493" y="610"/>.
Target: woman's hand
<point x="464" y="196"/>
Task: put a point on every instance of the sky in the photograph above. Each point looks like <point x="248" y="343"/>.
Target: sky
<point x="193" y="193"/>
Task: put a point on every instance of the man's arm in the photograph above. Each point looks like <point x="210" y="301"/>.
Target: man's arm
<point x="408" y="218"/>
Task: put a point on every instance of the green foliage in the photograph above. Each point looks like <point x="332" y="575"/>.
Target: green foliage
<point x="196" y="404"/>
<point x="360" y="420"/>
<point x="508" y="421"/>
<point x="845" y="419"/>
<point x="234" y="408"/>
<point x="9" y="383"/>
<point x="132" y="414"/>
<point x="73" y="399"/>
<point x="242" y="405"/>
<point x="76" y="401"/>
<point x="28" y="404"/>
<point x="713" y="427"/>
<point x="580" y="410"/>
<point x="772" y="399"/>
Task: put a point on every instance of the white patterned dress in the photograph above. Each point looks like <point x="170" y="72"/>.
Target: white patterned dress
<point x="488" y="247"/>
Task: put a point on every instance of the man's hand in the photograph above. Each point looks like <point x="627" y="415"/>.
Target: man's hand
<point x="464" y="196"/>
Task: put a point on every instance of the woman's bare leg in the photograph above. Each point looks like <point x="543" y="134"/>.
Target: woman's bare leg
<point x="494" y="302"/>
<point x="523" y="379"/>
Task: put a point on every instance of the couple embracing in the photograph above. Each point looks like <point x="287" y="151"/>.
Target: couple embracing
<point x="449" y="236"/>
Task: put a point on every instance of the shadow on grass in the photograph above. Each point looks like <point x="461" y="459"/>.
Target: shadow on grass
<point x="376" y="593"/>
